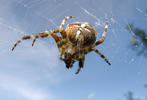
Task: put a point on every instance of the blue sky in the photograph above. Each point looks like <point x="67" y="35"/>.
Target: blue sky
<point x="36" y="73"/>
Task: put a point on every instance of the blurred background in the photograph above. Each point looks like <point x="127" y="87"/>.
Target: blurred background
<point x="36" y="73"/>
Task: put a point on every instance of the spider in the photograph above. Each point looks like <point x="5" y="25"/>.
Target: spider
<point x="77" y="40"/>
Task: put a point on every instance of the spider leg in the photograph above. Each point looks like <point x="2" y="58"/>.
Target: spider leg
<point x="80" y="41"/>
<point x="40" y="35"/>
<point x="103" y="35"/>
<point x="23" y="38"/>
<point x="57" y="39"/>
<point x="79" y="69"/>
<point x="61" y="43"/>
<point x="98" y="52"/>
<point x="63" y="22"/>
<point x="34" y="37"/>
<point x="81" y="64"/>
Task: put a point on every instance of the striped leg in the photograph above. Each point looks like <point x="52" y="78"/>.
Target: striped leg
<point x="80" y="42"/>
<point x="57" y="39"/>
<point x="34" y="37"/>
<point x="63" y="22"/>
<point x="103" y="35"/>
<point x="98" y="52"/>
<point x="61" y="43"/>
<point x="49" y="33"/>
<point x="81" y="64"/>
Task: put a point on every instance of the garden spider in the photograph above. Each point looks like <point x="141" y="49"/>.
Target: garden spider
<point x="77" y="40"/>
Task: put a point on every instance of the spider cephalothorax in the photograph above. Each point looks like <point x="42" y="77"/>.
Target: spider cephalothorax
<point x="78" y="39"/>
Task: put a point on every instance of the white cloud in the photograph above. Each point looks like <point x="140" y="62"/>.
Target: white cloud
<point x="91" y="95"/>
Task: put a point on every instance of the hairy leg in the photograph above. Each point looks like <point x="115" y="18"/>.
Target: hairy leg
<point x="34" y="37"/>
<point x="98" y="52"/>
<point x="103" y="35"/>
<point x="63" y="22"/>
<point x="81" y="64"/>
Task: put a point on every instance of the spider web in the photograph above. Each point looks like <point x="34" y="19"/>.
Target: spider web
<point x="26" y="17"/>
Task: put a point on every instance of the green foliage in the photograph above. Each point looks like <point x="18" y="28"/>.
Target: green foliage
<point x="139" y="39"/>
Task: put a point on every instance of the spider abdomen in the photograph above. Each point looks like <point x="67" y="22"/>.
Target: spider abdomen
<point x="81" y="32"/>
